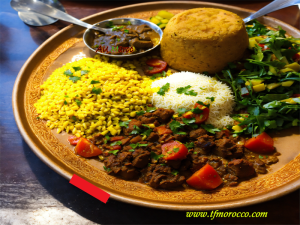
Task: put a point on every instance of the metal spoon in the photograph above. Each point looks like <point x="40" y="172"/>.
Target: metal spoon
<point x="48" y="10"/>
<point x="273" y="6"/>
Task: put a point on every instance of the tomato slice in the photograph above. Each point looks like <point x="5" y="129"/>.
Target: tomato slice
<point x="117" y="147"/>
<point x="174" y="150"/>
<point x="206" y="178"/>
<point x="296" y="95"/>
<point x="155" y="66"/>
<point x="163" y="130"/>
<point x="188" y="115"/>
<point x="202" y="117"/>
<point x="86" y="149"/>
<point x="116" y="138"/>
<point x="263" y="143"/>
<point x="73" y="140"/>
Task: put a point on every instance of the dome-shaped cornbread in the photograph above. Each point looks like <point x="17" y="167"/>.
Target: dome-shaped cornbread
<point x="203" y="39"/>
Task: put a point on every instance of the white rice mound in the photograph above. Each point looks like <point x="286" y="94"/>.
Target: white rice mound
<point x="220" y="108"/>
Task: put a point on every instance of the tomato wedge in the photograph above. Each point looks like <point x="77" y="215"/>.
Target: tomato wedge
<point x="155" y="66"/>
<point x="86" y="149"/>
<point x="116" y="138"/>
<point x="202" y="117"/>
<point x="174" y="150"/>
<point x="163" y="130"/>
<point x="206" y="178"/>
<point x="263" y="143"/>
<point x="296" y="56"/>
<point x="296" y="95"/>
<point x="73" y="140"/>
<point x="188" y="115"/>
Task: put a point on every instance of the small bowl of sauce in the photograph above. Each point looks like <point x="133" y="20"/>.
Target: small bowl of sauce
<point x="125" y="38"/>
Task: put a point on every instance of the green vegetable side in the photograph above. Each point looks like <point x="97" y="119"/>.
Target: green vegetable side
<point x="266" y="85"/>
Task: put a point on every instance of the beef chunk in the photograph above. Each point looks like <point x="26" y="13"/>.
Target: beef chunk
<point x="120" y="164"/>
<point x="141" y="158"/>
<point x="142" y="28"/>
<point x="194" y="134"/>
<point x="131" y="125"/>
<point x="145" y="36"/>
<point x="135" y="42"/>
<point x="180" y="137"/>
<point x="163" y="115"/>
<point x="222" y="133"/>
<point x="97" y="139"/>
<point x="227" y="148"/>
<point x="204" y="144"/>
<point x="231" y="180"/>
<point x="122" y="43"/>
<point x="198" y="162"/>
<point x="175" y="164"/>
<point x="136" y="139"/>
<point x="158" y="176"/>
<point x="259" y="166"/>
<point x="125" y="140"/>
<point x="241" y="168"/>
<point x="153" y="137"/>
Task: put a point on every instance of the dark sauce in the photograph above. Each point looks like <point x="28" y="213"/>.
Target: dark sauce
<point x="126" y="39"/>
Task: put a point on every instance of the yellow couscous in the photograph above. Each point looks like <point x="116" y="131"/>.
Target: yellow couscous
<point x="93" y="95"/>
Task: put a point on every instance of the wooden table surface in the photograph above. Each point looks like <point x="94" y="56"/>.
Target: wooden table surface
<point x="31" y="193"/>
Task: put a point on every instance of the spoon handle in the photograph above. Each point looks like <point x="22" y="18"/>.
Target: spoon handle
<point x="47" y="10"/>
<point x="273" y="6"/>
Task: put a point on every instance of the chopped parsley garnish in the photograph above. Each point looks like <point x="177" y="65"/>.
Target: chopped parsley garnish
<point x="184" y="90"/>
<point x="163" y="164"/>
<point x="96" y="90"/>
<point x="202" y="88"/>
<point x="102" y="42"/>
<point x="124" y="123"/>
<point x="210" y="128"/>
<point x="78" y="102"/>
<point x="164" y="89"/>
<point x="150" y="109"/>
<point x="66" y="96"/>
<point x="261" y="157"/>
<point x="150" y="68"/>
<point x="128" y="23"/>
<point x="117" y="28"/>
<point x="95" y="82"/>
<point x="76" y="68"/>
<point x="140" y="113"/>
<point x="131" y="150"/>
<point x="83" y="72"/>
<point x="181" y="111"/>
<point x="154" y="156"/>
<point x="136" y="130"/>
<point x="115" y="152"/>
<point x="116" y="143"/>
<point x="211" y="98"/>
<point x="197" y="110"/>
<point x="154" y="76"/>
<point x="118" y="39"/>
<point x="74" y="118"/>
<point x="106" y="169"/>
<point x="106" y="139"/>
<point x="174" y="172"/>
<point x="126" y="31"/>
<point x="175" y="126"/>
<point x="74" y="79"/>
<point x="147" y="132"/>
<point x="68" y="73"/>
<point x="175" y="149"/>
<point x="65" y="102"/>
<point x="189" y="145"/>
<point x="134" y="146"/>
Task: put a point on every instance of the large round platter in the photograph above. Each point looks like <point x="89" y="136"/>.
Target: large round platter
<point x="55" y="151"/>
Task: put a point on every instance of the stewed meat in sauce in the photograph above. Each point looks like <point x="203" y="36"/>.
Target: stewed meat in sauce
<point x="140" y="153"/>
<point x="126" y="39"/>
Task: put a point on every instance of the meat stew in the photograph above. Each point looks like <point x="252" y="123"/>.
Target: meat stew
<point x="126" y="39"/>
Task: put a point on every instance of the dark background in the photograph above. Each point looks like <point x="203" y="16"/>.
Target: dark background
<point x="25" y="179"/>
